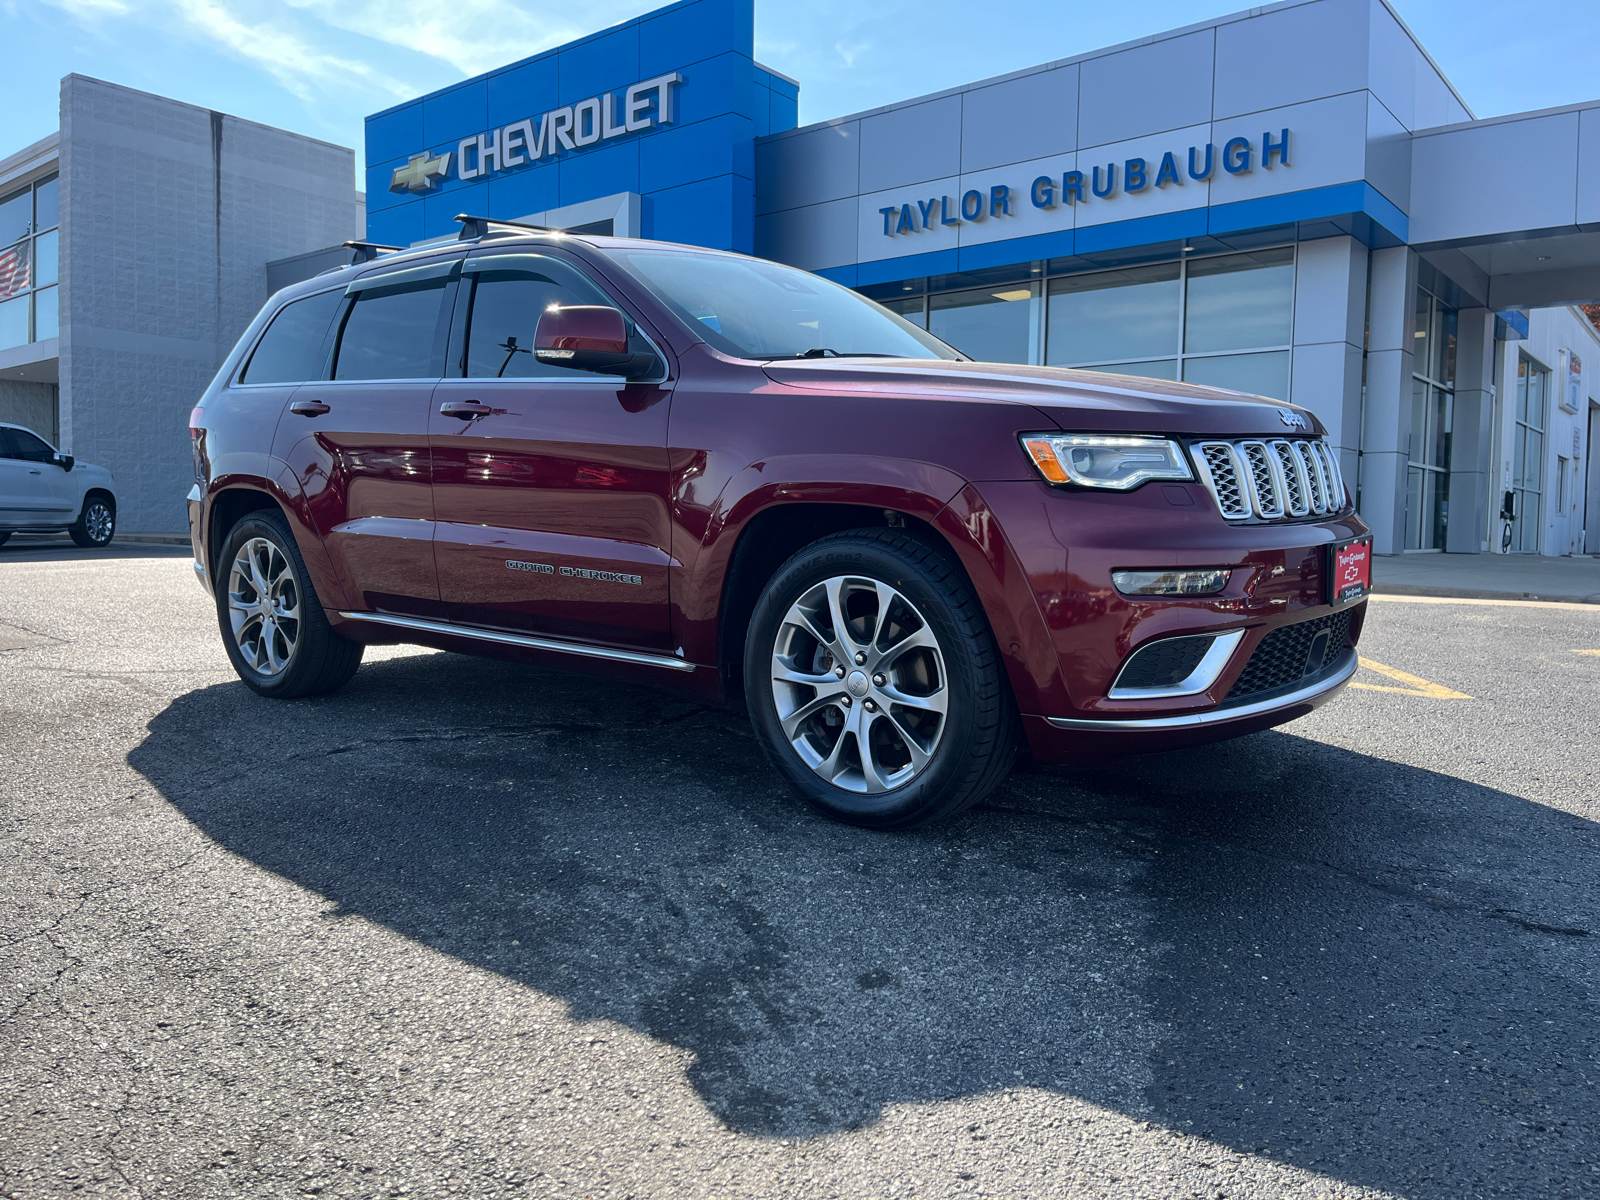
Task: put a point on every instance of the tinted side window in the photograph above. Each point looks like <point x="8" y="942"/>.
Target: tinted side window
<point x="8" y="448"/>
<point x="291" y="349"/>
<point x="393" y="333"/>
<point x="28" y="446"/>
<point x="506" y="306"/>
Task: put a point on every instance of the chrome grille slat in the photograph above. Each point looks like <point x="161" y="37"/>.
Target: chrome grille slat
<point x="1308" y="461"/>
<point x="1277" y="480"/>
<point x="1295" y="501"/>
<point x="1330" y="462"/>
<point x="1223" y="476"/>
<point x="1266" y="494"/>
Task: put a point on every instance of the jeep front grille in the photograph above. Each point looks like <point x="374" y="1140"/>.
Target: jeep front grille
<point x="1276" y="480"/>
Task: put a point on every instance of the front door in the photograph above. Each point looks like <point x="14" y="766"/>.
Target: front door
<point x="34" y="490"/>
<point x="550" y="485"/>
<point x="358" y="442"/>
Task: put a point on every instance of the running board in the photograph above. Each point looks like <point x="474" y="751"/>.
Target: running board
<point x="523" y="640"/>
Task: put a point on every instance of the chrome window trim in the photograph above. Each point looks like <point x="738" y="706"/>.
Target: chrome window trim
<point x="1203" y="676"/>
<point x="1213" y="716"/>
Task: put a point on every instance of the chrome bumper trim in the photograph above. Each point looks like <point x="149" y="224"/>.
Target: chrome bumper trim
<point x="200" y="575"/>
<point x="523" y="640"/>
<point x="1216" y="716"/>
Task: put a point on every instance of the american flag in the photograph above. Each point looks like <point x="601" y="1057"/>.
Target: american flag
<point x="14" y="273"/>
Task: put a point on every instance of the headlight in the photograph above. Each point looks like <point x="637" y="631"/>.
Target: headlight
<point x="1097" y="461"/>
<point x="1205" y="582"/>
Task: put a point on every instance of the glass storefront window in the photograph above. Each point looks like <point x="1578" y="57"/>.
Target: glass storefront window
<point x="990" y="324"/>
<point x="47" y="258"/>
<point x="30" y="259"/>
<point x="16" y="216"/>
<point x="1240" y="302"/>
<point x="1153" y="368"/>
<point x="1114" y="315"/>
<point x="914" y="310"/>
<point x="46" y="314"/>
<point x="16" y="269"/>
<point x="1258" y="374"/>
<point x="47" y="203"/>
<point x="1225" y="321"/>
<point x="14" y="322"/>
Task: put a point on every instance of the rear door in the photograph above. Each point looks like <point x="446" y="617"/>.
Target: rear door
<point x="550" y="487"/>
<point x="358" y="441"/>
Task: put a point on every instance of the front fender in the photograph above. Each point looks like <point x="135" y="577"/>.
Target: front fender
<point x="700" y="571"/>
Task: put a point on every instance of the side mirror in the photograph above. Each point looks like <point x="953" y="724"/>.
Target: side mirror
<point x="589" y="337"/>
<point x="65" y="461"/>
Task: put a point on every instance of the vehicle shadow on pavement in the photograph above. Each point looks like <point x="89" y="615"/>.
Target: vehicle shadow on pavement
<point x="1284" y="946"/>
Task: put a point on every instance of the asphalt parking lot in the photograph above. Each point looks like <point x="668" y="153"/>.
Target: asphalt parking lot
<point x="472" y="929"/>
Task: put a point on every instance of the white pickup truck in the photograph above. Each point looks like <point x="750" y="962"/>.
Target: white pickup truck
<point x="44" y="491"/>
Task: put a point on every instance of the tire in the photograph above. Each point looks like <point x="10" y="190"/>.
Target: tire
<point x="97" y="523"/>
<point x="278" y="655"/>
<point x="935" y="649"/>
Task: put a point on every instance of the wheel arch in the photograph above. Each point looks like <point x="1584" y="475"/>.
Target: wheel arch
<point x="963" y="532"/>
<point x="234" y="500"/>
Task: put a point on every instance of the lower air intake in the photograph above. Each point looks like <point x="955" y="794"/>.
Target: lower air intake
<point x="1292" y="652"/>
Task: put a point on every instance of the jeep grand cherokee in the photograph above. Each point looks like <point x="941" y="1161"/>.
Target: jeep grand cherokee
<point x="727" y="476"/>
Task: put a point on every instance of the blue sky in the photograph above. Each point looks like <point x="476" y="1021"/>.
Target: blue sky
<point x="318" y="66"/>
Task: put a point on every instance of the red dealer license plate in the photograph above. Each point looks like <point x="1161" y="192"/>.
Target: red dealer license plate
<point x="1349" y="570"/>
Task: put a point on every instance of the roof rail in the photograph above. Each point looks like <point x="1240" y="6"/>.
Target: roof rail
<point x="367" y="251"/>
<point x="473" y="228"/>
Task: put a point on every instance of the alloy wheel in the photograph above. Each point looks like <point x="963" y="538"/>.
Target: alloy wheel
<point x="97" y="521"/>
<point x="264" y="606"/>
<point x="859" y="682"/>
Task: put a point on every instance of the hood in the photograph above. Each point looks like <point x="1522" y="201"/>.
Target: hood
<point x="1076" y="400"/>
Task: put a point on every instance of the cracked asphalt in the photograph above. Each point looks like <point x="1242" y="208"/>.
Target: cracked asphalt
<point x="472" y="929"/>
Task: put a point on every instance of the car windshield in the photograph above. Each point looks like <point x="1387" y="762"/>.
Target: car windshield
<point x="751" y="308"/>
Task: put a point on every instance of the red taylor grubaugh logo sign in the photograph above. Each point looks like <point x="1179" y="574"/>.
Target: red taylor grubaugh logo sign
<point x="1352" y="569"/>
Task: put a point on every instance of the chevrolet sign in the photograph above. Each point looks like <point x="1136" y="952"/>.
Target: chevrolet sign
<point x="645" y="105"/>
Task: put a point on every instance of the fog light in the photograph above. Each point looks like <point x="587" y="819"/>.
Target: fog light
<point x="1206" y="582"/>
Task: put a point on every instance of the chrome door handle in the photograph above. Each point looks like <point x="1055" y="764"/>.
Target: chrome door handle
<point x="35" y="472"/>
<point x="467" y="410"/>
<point x="309" y="408"/>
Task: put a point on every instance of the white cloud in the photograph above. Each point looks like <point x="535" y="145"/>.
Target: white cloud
<point x="471" y="35"/>
<point x="297" y="65"/>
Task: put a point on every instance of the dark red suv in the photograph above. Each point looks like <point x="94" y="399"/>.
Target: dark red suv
<point x="731" y="477"/>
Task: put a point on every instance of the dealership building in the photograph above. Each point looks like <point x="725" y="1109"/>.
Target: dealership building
<point x="1293" y="201"/>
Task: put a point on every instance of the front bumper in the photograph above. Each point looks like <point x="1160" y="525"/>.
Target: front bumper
<point x="1069" y="544"/>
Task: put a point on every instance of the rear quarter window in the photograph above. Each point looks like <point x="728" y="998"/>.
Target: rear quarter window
<point x="291" y="349"/>
<point x="394" y="333"/>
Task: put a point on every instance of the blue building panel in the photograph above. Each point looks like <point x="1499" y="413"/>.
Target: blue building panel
<point x="455" y="113"/>
<point x="395" y="134"/>
<point x="519" y="193"/>
<point x="600" y="172"/>
<point x="683" y="154"/>
<point x="696" y="171"/>
<point x="681" y="34"/>
<point x="607" y="62"/>
<point x="719" y="213"/>
<point x="524" y="90"/>
<point x="397" y="226"/>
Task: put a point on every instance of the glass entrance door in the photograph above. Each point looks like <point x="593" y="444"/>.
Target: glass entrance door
<point x="1527" y="456"/>
<point x="1433" y="380"/>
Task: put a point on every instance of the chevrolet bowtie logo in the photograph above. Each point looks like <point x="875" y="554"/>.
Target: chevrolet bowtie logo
<point x="418" y="174"/>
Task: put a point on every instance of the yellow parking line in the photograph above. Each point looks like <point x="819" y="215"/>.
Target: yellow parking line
<point x="1390" y="597"/>
<point x="1416" y="685"/>
<point x="1596" y="653"/>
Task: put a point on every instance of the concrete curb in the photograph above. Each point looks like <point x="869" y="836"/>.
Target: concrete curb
<point x="1406" y="589"/>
